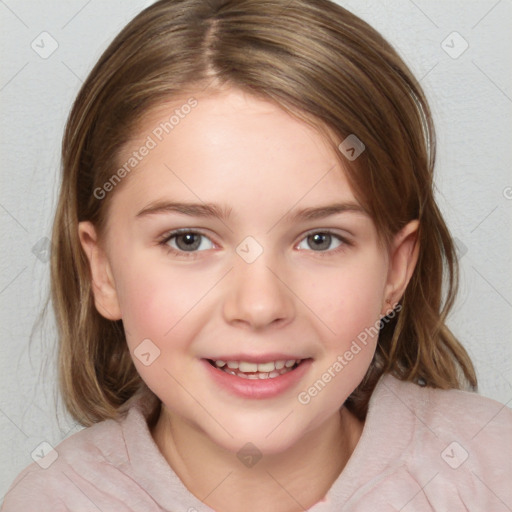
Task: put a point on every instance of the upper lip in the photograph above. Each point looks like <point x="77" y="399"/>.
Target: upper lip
<point x="257" y="358"/>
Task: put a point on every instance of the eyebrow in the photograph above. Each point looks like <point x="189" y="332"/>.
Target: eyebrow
<point x="191" y="209"/>
<point x="321" y="212"/>
<point x="213" y="210"/>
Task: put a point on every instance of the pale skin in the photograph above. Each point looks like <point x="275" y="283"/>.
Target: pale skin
<point x="262" y="166"/>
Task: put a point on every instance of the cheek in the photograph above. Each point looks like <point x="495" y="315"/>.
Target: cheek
<point x="361" y="303"/>
<point x="350" y="306"/>
<point x="153" y="298"/>
<point x="158" y="312"/>
<point x="350" y="299"/>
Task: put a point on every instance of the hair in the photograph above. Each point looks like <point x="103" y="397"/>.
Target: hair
<point x="320" y="63"/>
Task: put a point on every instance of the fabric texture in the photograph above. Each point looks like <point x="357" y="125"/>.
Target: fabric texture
<point x="421" y="449"/>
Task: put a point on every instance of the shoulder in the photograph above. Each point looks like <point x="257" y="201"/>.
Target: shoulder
<point x="462" y="413"/>
<point x="113" y="466"/>
<point x="56" y="476"/>
<point x="459" y="444"/>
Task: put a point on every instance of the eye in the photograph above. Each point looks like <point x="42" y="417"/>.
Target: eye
<point x="187" y="241"/>
<point x="321" y="241"/>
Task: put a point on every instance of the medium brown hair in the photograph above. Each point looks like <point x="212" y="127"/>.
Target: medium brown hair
<point x="317" y="61"/>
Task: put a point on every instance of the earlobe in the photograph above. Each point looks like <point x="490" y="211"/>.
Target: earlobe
<point x="403" y="258"/>
<point x="103" y="284"/>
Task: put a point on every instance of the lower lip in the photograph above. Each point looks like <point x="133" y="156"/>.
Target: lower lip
<point x="257" y="388"/>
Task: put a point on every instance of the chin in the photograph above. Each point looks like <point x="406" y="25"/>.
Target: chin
<point x="265" y="436"/>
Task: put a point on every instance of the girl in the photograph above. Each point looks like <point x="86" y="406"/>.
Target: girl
<point x="247" y="279"/>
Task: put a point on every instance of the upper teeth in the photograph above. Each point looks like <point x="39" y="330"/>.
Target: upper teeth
<point x="245" y="366"/>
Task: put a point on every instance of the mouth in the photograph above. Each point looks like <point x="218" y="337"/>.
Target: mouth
<point x="257" y="371"/>
<point x="265" y="377"/>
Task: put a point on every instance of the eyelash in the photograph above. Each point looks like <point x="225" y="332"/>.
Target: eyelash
<point x="183" y="231"/>
<point x="191" y="254"/>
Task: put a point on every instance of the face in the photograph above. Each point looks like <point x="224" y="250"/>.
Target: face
<point x="237" y="238"/>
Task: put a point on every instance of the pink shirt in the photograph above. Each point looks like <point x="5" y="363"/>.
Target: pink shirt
<point x="421" y="450"/>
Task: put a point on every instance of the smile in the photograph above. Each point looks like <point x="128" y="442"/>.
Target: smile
<point x="236" y="377"/>
<point x="247" y="370"/>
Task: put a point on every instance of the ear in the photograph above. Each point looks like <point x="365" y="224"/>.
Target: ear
<point x="403" y="256"/>
<point x="103" y="285"/>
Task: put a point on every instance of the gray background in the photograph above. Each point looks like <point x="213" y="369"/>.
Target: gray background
<point x="471" y="97"/>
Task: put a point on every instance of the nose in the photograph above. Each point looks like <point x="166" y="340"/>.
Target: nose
<point x="257" y="296"/>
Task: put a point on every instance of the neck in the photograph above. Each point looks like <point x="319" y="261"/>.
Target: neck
<point x="288" y="481"/>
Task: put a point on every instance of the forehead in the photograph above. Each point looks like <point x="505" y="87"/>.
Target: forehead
<point x="230" y="145"/>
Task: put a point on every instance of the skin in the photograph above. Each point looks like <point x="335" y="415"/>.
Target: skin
<point x="262" y="165"/>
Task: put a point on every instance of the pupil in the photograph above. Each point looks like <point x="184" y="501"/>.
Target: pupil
<point x="188" y="241"/>
<point x="320" y="241"/>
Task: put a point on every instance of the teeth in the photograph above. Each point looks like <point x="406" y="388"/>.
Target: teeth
<point x="265" y="367"/>
<point x="247" y="367"/>
<point x="253" y="371"/>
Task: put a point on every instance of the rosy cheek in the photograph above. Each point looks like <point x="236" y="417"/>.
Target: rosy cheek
<point x="154" y="303"/>
<point x="359" y="304"/>
<point x="143" y="307"/>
